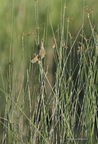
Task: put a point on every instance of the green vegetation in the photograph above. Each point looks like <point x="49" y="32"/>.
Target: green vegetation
<point x="55" y="100"/>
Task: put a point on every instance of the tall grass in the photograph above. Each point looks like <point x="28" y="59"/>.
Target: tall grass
<point x="38" y="111"/>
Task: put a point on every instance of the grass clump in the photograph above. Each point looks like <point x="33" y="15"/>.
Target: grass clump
<point x="57" y="103"/>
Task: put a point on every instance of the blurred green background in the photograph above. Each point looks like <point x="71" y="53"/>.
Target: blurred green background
<point x="18" y="17"/>
<point x="18" y="28"/>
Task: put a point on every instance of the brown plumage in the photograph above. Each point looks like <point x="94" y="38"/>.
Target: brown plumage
<point x="41" y="54"/>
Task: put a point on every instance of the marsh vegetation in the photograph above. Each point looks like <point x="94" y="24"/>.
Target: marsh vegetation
<point x="53" y="100"/>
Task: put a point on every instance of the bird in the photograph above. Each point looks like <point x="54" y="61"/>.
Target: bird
<point x="41" y="53"/>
